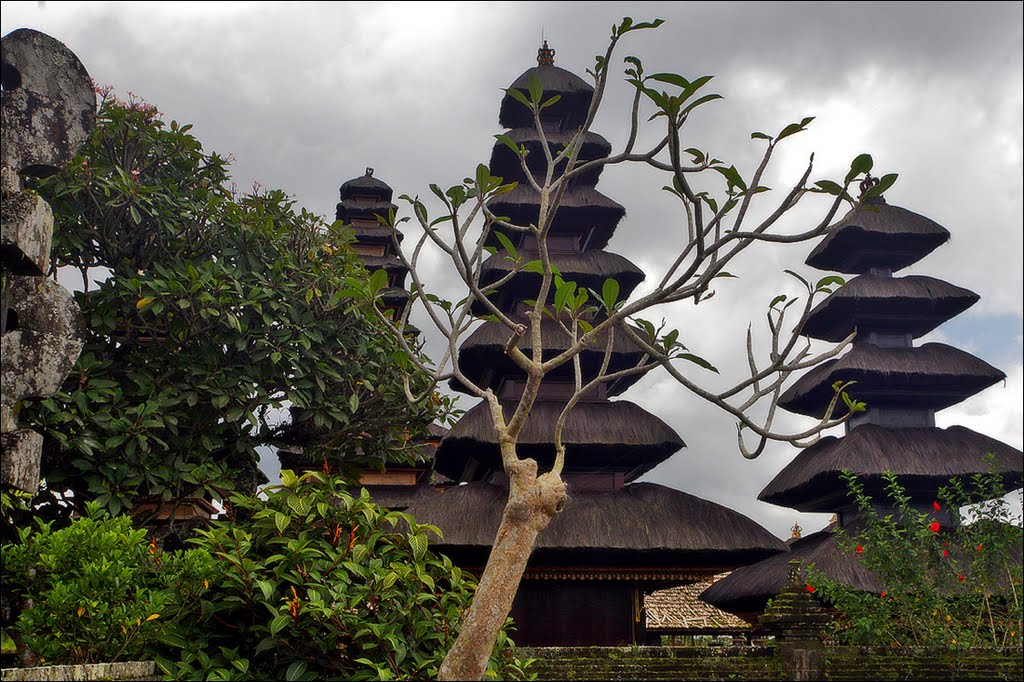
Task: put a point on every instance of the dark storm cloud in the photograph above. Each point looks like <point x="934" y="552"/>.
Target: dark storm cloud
<point x="306" y="95"/>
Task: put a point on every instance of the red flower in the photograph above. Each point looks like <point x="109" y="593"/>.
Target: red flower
<point x="961" y="576"/>
<point x="945" y="552"/>
<point x="860" y="549"/>
<point x="883" y="594"/>
<point x="810" y="588"/>
<point x="978" y="548"/>
<point x="936" y="506"/>
<point x="934" y="526"/>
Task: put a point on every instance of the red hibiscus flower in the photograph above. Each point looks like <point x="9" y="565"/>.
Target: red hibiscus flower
<point x="810" y="588"/>
<point x="937" y="506"/>
<point x="883" y="594"/>
<point x="860" y="549"/>
<point x="934" y="526"/>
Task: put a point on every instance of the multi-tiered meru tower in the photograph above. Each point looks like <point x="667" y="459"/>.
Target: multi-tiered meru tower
<point x="616" y="539"/>
<point x="903" y="385"/>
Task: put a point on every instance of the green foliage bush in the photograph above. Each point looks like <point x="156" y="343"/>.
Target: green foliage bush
<point x="318" y="583"/>
<point x="217" y="311"/>
<point x="312" y="582"/>
<point x="93" y="591"/>
<point x="955" y="585"/>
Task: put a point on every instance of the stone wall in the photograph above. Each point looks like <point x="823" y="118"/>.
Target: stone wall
<point x="764" y="663"/>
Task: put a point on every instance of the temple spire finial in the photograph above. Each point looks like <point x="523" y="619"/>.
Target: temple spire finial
<point x="795" y="531"/>
<point x="369" y="172"/>
<point x="545" y="55"/>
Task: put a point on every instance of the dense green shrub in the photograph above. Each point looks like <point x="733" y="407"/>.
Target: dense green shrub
<point x="318" y="583"/>
<point x="93" y="591"/>
<point x="956" y="586"/>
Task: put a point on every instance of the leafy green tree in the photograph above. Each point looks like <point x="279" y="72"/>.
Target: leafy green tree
<point x="213" y="313"/>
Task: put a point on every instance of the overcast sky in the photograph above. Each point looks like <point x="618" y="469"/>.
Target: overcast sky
<point x="305" y="95"/>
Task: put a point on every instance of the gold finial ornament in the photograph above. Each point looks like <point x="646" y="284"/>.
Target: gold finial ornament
<point x="545" y="55"/>
<point x="795" y="530"/>
<point x="867" y="183"/>
<point x="369" y="172"/>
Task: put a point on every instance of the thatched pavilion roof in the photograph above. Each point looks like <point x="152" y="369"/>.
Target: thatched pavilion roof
<point x="375" y="234"/>
<point x="933" y="376"/>
<point x="588" y="270"/>
<point x="610" y="436"/>
<point x="366" y="185"/>
<point x="349" y="210"/>
<point x="680" y="610"/>
<point x="483" y="359"/>
<point x="876" y="234"/>
<point x="641" y="523"/>
<point x="581" y="208"/>
<point x="389" y="263"/>
<point x="924" y="458"/>
<point x="507" y="165"/>
<point x="914" y="304"/>
<point x="575" y="94"/>
<point x="746" y="591"/>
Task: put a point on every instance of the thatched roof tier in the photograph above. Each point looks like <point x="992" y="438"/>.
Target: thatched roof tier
<point x="389" y="263"/>
<point x="746" y="591"/>
<point x="582" y="209"/>
<point x="609" y="436"/>
<point x="505" y="164"/>
<point x="375" y="234"/>
<point x="895" y="305"/>
<point x="588" y="269"/>
<point x="349" y="210"/>
<point x="876" y="235"/>
<point x="574" y="92"/>
<point x="394" y="296"/>
<point x="642" y="524"/>
<point x="483" y="359"/>
<point x="933" y="376"/>
<point x="366" y="185"/>
<point x="679" y="610"/>
<point x="924" y="458"/>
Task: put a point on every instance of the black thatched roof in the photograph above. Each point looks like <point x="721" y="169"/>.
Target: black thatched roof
<point x="925" y="459"/>
<point x="376" y="234"/>
<point x="581" y="209"/>
<point x="366" y="185"/>
<point x="507" y="165"/>
<point x="346" y="211"/>
<point x="575" y="95"/>
<point x="588" y="269"/>
<point x="877" y="235"/>
<point x="388" y="263"/>
<point x="914" y="304"/>
<point x="609" y="436"/>
<point x="747" y="590"/>
<point x="483" y="359"/>
<point x="394" y="296"/>
<point x="933" y="376"/>
<point x="641" y="522"/>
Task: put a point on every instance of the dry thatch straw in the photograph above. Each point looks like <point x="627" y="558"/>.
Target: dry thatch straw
<point x="648" y="522"/>
<point x="680" y="610"/>
<point x="932" y="376"/>
<point x="615" y="436"/>
<point x="924" y="459"/>
<point x="914" y="305"/>
<point x="575" y="94"/>
<point x="877" y="235"/>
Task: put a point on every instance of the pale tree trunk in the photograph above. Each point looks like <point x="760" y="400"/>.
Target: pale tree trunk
<point x="532" y="502"/>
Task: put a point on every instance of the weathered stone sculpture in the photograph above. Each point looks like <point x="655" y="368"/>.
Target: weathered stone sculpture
<point x="48" y="111"/>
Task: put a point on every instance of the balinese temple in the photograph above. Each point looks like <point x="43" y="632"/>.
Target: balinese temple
<point x="617" y="539"/>
<point x="904" y="385"/>
<point x="363" y="200"/>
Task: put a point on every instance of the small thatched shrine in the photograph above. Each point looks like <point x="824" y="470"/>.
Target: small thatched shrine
<point x="903" y="385"/>
<point x="616" y="540"/>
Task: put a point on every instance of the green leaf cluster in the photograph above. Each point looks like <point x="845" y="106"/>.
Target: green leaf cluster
<point x="318" y="582"/>
<point x="216" y="313"/>
<point x="953" y="583"/>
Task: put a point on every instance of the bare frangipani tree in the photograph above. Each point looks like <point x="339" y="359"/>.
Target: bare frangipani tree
<point x="467" y="230"/>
